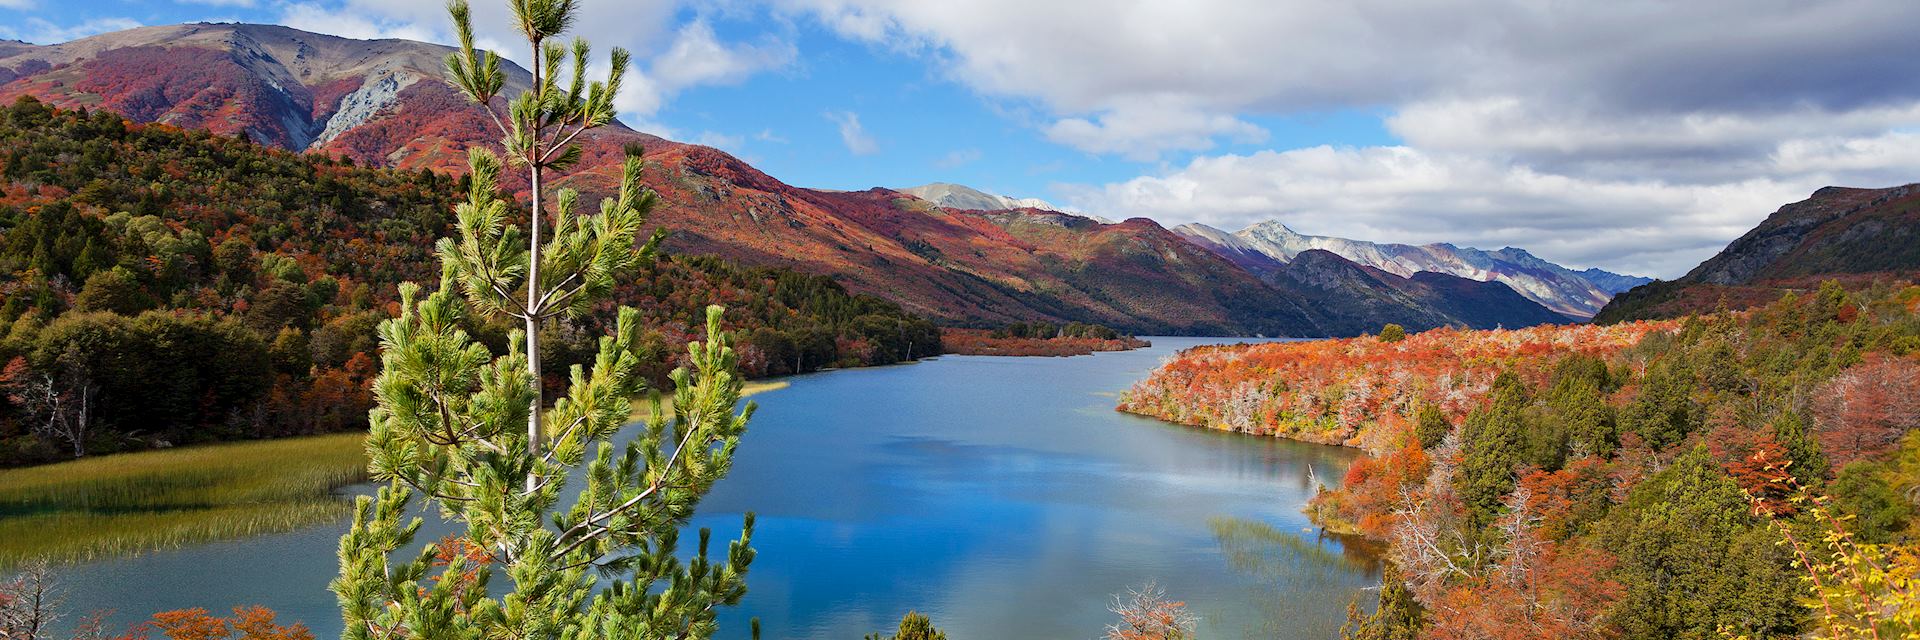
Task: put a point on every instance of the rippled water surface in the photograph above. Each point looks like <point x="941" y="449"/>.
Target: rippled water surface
<point x="1002" y="496"/>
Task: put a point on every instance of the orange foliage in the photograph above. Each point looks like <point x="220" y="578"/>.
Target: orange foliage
<point x="1372" y="487"/>
<point x="1864" y="411"/>
<point x="1569" y="497"/>
<point x="1333" y="391"/>
<point x="1561" y="595"/>
<point x="981" y="342"/>
<point x="247" y="623"/>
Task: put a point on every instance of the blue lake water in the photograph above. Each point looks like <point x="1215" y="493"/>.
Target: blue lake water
<point x="1004" y="497"/>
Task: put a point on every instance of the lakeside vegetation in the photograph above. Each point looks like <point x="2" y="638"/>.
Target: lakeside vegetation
<point x="163" y="287"/>
<point x="132" y="503"/>
<point x="1739" y="474"/>
<point x="1038" y="339"/>
<point x="135" y="502"/>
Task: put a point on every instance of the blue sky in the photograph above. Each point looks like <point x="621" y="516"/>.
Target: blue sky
<point x="1619" y="135"/>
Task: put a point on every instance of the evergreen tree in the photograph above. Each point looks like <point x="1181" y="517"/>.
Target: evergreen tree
<point x="1398" y="616"/>
<point x="1493" y="446"/>
<point x="914" y="626"/>
<point x="448" y="425"/>
<point x="1431" y="425"/>
<point x="1695" y="561"/>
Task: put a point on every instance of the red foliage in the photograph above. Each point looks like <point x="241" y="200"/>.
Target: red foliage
<point x="1763" y="475"/>
<point x="1568" y="497"/>
<point x="1562" y="594"/>
<point x="1865" y="410"/>
<point x="247" y="623"/>
<point x="981" y="342"/>
<point x="1374" y="486"/>
<point x="1332" y="391"/>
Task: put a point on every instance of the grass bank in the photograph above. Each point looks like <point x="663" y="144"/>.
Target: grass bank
<point x="129" y="503"/>
<point x="134" y="502"/>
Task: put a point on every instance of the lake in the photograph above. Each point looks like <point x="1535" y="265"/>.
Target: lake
<point x="1003" y="497"/>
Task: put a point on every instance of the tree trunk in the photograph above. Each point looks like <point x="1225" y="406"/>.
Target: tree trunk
<point x="533" y="283"/>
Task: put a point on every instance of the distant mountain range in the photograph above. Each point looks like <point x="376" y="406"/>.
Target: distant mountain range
<point x="948" y="252"/>
<point x="1267" y="246"/>
<point x="1852" y="235"/>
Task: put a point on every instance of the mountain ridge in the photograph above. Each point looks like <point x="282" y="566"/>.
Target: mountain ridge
<point x="1854" y="235"/>
<point x="1263" y="246"/>
<point x="386" y="103"/>
<point x="959" y="196"/>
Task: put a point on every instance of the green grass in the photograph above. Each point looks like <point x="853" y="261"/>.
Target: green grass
<point x="129" y="503"/>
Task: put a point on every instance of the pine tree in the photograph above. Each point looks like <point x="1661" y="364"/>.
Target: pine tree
<point x="1492" y="437"/>
<point x="913" y="626"/>
<point x="1695" y="561"/>
<point x="1398" y="616"/>
<point x="448" y="425"/>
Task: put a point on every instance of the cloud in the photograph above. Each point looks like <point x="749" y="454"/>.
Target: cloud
<point x="1093" y="63"/>
<point x="1145" y="132"/>
<point x="958" y="158"/>
<point x="719" y="140"/>
<point x="220" y="3"/>
<point x="767" y="135"/>
<point x="853" y="134"/>
<point x="17" y="4"/>
<point x="307" y="16"/>
<point x="696" y="57"/>
<point x="1404" y="194"/>
<point x="668" y="59"/>
<point x="39" y="31"/>
<point x="1635" y="135"/>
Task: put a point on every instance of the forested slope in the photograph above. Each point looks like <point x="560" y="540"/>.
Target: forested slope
<point x="1855" y="236"/>
<point x="169" y="286"/>
<point x="1741" y="474"/>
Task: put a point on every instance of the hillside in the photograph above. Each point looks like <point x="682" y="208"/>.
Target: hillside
<point x="210" y="288"/>
<point x="1856" y="236"/>
<point x="1265" y="246"/>
<point x="384" y="103"/>
<point x="1658" y="479"/>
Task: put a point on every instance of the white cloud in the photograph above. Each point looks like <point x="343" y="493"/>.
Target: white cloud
<point x="853" y="134"/>
<point x="668" y="59"/>
<point x="220" y="3"/>
<point x="1768" y="64"/>
<point x="1640" y="135"/>
<point x="958" y="158"/>
<point x="1403" y="194"/>
<point x="17" y="4"/>
<point x="767" y="135"/>
<point x="1143" y="132"/>
<point x="308" y="16"/>
<point x="40" y="31"/>
<point x="719" y="140"/>
<point x="696" y="57"/>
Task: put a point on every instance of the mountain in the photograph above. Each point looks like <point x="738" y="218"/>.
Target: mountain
<point x="1578" y="294"/>
<point x="955" y="196"/>
<point x="1357" y="299"/>
<point x="385" y="103"/>
<point x="1847" y="234"/>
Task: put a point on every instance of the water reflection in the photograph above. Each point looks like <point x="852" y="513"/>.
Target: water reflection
<point x="1002" y="496"/>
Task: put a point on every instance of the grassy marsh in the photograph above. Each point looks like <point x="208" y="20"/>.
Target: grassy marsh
<point x="129" y="503"/>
